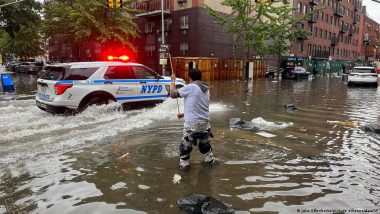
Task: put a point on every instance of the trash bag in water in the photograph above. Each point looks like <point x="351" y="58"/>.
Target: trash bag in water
<point x="202" y="204"/>
<point x="214" y="206"/>
<point x="239" y="123"/>
<point x="375" y="128"/>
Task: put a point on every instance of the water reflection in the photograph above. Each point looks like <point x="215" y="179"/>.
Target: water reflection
<point x="109" y="162"/>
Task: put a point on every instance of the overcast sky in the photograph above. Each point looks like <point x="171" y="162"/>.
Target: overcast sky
<point x="373" y="9"/>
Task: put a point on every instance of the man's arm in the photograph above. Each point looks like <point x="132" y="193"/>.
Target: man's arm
<point x="173" y="92"/>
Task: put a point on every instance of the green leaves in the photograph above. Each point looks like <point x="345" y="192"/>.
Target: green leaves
<point x="21" y="35"/>
<point x="265" y="28"/>
<point x="80" y="20"/>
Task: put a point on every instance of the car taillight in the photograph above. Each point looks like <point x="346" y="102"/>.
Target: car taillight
<point x="374" y="75"/>
<point x="61" y="88"/>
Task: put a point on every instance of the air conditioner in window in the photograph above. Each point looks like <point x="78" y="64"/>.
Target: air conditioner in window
<point x="181" y="1"/>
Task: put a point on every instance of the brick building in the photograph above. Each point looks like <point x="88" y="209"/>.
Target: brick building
<point x="334" y="29"/>
<point x="189" y="30"/>
<point x="370" y="41"/>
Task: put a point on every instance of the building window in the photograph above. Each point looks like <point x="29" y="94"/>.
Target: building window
<point x="300" y="46"/>
<point x="337" y="51"/>
<point x="304" y="9"/>
<point x="331" y="20"/>
<point x="299" y="7"/>
<point x="325" y="36"/>
<point x="322" y="16"/>
<point x="316" y="32"/>
<point x="320" y="33"/>
<point x="329" y="35"/>
<point x="149" y="26"/>
<point x="314" y="49"/>
<point x="184" y="22"/>
<point x="309" y="49"/>
<point x="327" y="18"/>
<point x="150" y="50"/>
<point x="184" y="49"/>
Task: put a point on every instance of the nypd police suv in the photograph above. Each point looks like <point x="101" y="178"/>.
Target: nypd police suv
<point x="71" y="87"/>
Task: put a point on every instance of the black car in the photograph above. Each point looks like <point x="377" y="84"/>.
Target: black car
<point x="30" y="67"/>
<point x="295" y="73"/>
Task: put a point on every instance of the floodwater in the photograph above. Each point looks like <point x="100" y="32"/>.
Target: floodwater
<point x="106" y="161"/>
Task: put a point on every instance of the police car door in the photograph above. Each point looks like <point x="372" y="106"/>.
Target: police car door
<point x="120" y="82"/>
<point x="150" y="85"/>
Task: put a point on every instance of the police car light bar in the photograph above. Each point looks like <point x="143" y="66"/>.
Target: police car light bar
<point x="122" y="58"/>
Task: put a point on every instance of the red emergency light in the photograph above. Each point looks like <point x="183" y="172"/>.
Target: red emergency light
<point x="121" y="58"/>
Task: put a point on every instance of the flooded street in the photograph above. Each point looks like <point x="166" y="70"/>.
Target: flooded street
<point x="107" y="161"/>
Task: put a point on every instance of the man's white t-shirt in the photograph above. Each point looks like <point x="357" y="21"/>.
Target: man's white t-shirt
<point x="197" y="104"/>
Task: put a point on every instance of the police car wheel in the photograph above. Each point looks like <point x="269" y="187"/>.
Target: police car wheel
<point x="94" y="101"/>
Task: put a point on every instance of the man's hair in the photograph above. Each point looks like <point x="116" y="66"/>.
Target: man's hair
<point x="195" y="74"/>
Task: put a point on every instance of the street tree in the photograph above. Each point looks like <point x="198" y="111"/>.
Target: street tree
<point x="283" y="29"/>
<point x="19" y="34"/>
<point x="79" y="21"/>
<point x="265" y="28"/>
<point x="245" y="22"/>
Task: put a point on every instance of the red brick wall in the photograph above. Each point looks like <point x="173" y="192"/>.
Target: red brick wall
<point x="350" y="45"/>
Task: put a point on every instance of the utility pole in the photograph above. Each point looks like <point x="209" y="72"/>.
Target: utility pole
<point x="162" y="33"/>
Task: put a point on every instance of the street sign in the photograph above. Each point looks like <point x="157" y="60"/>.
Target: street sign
<point x="164" y="54"/>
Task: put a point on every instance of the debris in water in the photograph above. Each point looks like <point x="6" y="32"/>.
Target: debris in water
<point x="375" y="128"/>
<point x="196" y="203"/>
<point x="348" y="124"/>
<point x="141" y="186"/>
<point x="123" y="156"/>
<point x="177" y="178"/>
<point x="303" y="129"/>
<point x="265" y="134"/>
<point x="291" y="107"/>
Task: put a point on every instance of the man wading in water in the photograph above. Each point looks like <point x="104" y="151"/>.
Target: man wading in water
<point x="197" y="117"/>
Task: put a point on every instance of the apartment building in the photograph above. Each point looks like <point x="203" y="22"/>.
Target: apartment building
<point x="189" y="31"/>
<point x="370" y="45"/>
<point x="334" y="29"/>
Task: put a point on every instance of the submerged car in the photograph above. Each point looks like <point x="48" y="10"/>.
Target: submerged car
<point x="72" y="87"/>
<point x="363" y="75"/>
<point x="295" y="73"/>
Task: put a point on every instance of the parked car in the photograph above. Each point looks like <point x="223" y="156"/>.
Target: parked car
<point x="72" y="87"/>
<point x="363" y="75"/>
<point x="11" y="66"/>
<point x="30" y="67"/>
<point x="295" y="73"/>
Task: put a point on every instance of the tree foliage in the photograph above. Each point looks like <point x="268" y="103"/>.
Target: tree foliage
<point x="265" y="28"/>
<point x="20" y="35"/>
<point x="79" y="20"/>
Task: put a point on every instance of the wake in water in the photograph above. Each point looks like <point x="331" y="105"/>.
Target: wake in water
<point x="28" y="131"/>
<point x="268" y="125"/>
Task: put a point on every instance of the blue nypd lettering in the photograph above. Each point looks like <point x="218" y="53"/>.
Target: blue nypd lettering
<point x="151" y="89"/>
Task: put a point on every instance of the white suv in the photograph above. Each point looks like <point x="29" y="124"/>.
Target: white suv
<point x="363" y="75"/>
<point x="72" y="87"/>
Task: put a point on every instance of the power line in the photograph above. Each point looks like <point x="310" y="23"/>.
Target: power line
<point x="377" y="1"/>
<point x="17" y="1"/>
